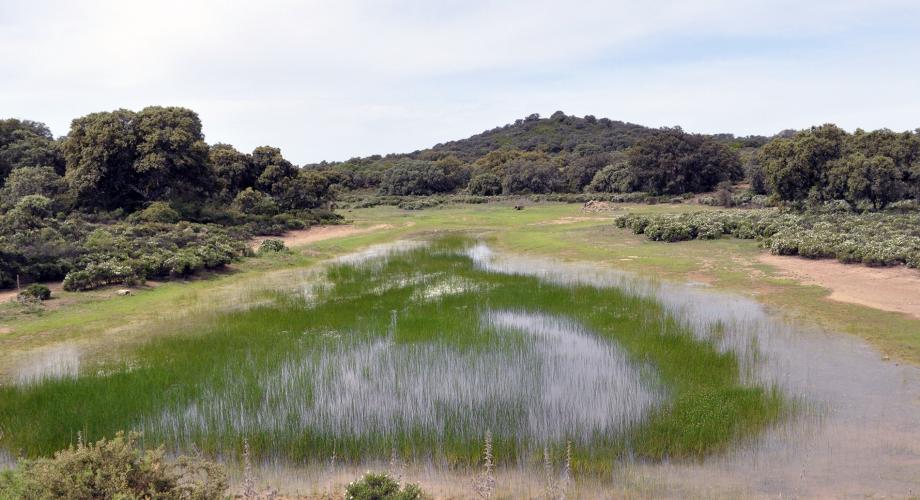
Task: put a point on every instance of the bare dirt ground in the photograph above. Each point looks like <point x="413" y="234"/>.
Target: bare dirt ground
<point x="302" y="237"/>
<point x="895" y="289"/>
<point x="565" y="220"/>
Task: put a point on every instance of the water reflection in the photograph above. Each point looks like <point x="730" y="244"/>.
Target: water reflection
<point x="48" y="363"/>
<point x="562" y="382"/>
<point x="859" y="429"/>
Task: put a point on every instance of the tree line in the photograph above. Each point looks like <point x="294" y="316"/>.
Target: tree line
<point x="564" y="154"/>
<point x="126" y="160"/>
<point x="826" y="163"/>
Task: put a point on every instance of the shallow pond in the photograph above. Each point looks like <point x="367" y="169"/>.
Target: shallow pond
<point x="419" y="348"/>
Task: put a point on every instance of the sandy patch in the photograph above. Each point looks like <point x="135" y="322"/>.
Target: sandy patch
<point x="895" y="289"/>
<point x="313" y="234"/>
<point x="566" y="220"/>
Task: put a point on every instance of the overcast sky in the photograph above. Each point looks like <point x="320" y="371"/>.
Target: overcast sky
<point x="335" y="79"/>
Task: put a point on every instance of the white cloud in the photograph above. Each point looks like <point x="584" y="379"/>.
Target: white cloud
<point x="328" y="80"/>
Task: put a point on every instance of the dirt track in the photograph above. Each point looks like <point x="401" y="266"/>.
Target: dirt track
<point x="317" y="233"/>
<point x="895" y="289"/>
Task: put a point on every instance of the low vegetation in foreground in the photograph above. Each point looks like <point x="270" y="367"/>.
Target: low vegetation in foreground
<point x="119" y="468"/>
<point x="420" y="352"/>
<point x="113" y="469"/>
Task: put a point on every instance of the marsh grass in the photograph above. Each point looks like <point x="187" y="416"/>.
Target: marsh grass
<point x="412" y="354"/>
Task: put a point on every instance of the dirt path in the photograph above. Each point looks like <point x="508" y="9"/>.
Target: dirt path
<point x="895" y="289"/>
<point x="317" y="233"/>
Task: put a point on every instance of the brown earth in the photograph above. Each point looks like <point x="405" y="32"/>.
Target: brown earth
<point x="895" y="289"/>
<point x="313" y="234"/>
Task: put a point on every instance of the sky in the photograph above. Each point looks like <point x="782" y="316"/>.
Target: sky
<point x="330" y="80"/>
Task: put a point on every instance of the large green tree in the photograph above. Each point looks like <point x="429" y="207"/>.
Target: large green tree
<point x="100" y="152"/>
<point x="672" y="161"/>
<point x="525" y="176"/>
<point x="856" y="178"/>
<point x="797" y="167"/>
<point x="172" y="157"/>
<point x="273" y="170"/>
<point x="233" y="171"/>
<point x="123" y="159"/>
<point x="25" y="143"/>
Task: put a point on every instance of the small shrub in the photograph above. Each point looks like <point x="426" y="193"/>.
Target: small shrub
<point x="114" y="469"/>
<point x="35" y="292"/>
<point x="157" y="211"/>
<point x="273" y="246"/>
<point x="382" y="487"/>
<point x="421" y="203"/>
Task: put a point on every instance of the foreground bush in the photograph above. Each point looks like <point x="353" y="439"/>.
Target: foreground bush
<point x="875" y="239"/>
<point x="35" y="292"/>
<point x="113" y="469"/>
<point x="382" y="487"/>
<point x="269" y="246"/>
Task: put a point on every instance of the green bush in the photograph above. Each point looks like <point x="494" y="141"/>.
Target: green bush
<point x="114" y="469"/>
<point x="158" y="211"/>
<point x="271" y="246"/>
<point x="382" y="487"/>
<point x="421" y="203"/>
<point x="35" y="291"/>
<point x="486" y="184"/>
<point x="100" y="274"/>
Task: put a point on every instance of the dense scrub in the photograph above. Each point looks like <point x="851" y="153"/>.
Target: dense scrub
<point x="878" y="239"/>
<point x="87" y="254"/>
<point x="128" y="196"/>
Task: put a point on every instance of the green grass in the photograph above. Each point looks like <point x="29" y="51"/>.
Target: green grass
<point x="224" y="366"/>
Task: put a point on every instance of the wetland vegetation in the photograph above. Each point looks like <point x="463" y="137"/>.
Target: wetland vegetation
<point x="422" y="350"/>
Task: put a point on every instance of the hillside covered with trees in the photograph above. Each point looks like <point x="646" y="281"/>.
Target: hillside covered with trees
<point x="133" y="195"/>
